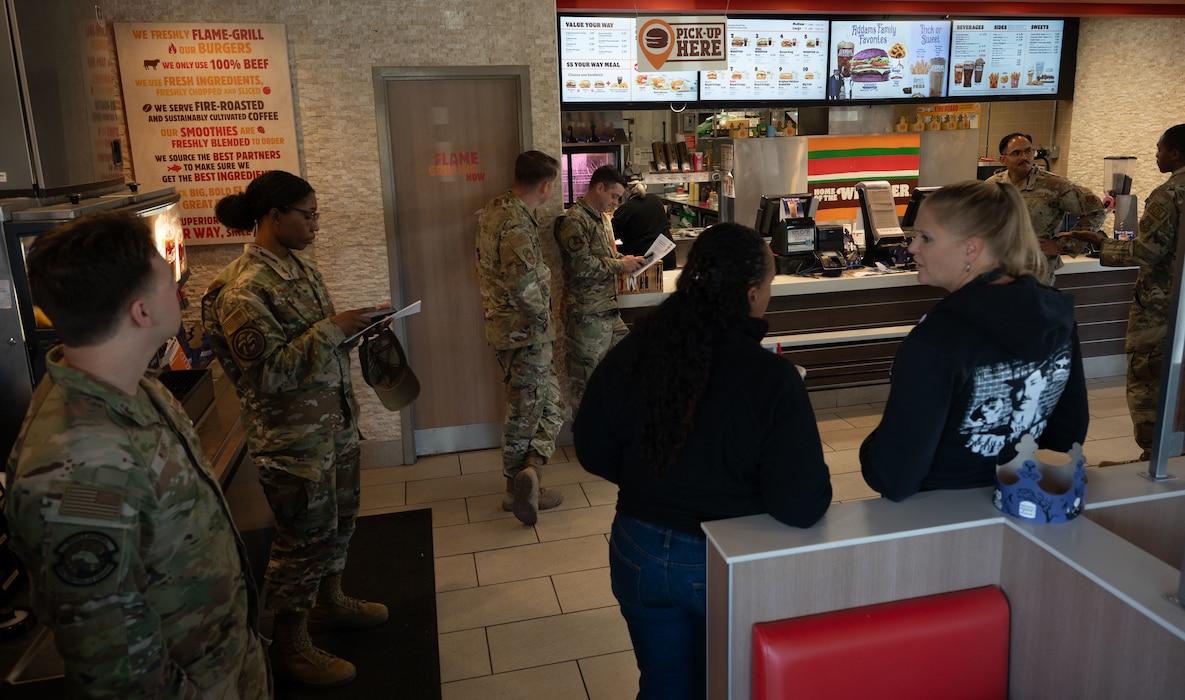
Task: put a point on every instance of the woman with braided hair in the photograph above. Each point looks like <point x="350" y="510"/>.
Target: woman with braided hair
<point x="695" y="421"/>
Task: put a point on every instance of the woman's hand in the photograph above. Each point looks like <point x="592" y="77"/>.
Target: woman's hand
<point x="355" y="320"/>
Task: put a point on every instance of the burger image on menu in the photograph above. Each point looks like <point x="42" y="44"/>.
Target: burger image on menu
<point x="870" y="66"/>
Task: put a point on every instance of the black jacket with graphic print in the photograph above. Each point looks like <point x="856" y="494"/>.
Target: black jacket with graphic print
<point x="989" y="363"/>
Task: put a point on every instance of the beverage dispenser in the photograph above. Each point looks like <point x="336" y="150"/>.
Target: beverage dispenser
<point x="1117" y="183"/>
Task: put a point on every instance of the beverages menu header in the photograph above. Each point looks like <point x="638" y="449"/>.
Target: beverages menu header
<point x="599" y="63"/>
<point x="812" y="60"/>
<point x="992" y="57"/>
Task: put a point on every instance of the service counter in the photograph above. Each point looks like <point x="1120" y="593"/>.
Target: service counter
<point x="1089" y="613"/>
<point x="845" y="330"/>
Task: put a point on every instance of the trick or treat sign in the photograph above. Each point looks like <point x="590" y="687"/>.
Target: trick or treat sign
<point x="209" y="108"/>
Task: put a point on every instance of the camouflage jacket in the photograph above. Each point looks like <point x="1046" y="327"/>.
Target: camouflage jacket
<point x="1153" y="249"/>
<point x="513" y="278"/>
<point x="136" y="565"/>
<point x="1049" y="197"/>
<point x="270" y="325"/>
<point x="591" y="262"/>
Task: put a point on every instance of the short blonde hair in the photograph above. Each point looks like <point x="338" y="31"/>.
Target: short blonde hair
<point x="996" y="213"/>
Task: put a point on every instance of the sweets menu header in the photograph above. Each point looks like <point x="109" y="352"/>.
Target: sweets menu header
<point x="805" y="59"/>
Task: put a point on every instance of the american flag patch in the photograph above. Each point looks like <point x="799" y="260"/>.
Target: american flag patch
<point x="234" y="321"/>
<point x="90" y="502"/>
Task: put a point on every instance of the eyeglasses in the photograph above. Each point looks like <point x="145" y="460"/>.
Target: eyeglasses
<point x="308" y="215"/>
<point x="1019" y="153"/>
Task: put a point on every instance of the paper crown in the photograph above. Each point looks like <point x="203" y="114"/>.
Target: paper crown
<point x="1034" y="491"/>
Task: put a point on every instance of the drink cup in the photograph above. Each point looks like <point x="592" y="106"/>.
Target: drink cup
<point x="937" y="76"/>
<point x="958" y="73"/>
<point x="979" y="70"/>
<point x="843" y="54"/>
<point x="967" y="74"/>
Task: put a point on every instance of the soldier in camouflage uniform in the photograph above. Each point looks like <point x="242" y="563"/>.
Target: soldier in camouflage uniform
<point x="591" y="267"/>
<point x="515" y="286"/>
<point x="275" y="331"/>
<point x="1154" y="250"/>
<point x="1049" y="198"/>
<point x="135" y="563"/>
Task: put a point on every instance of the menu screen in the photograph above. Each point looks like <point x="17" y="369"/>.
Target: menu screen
<point x="598" y="63"/>
<point x="782" y="59"/>
<point x="1005" y="58"/>
<point x="888" y="60"/>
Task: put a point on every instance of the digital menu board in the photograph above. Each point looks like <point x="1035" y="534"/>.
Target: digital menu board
<point x="771" y="59"/>
<point x="888" y="60"/>
<point x="598" y="64"/>
<point x="1006" y="57"/>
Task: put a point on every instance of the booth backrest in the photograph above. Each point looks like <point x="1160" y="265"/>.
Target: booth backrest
<point x="950" y="645"/>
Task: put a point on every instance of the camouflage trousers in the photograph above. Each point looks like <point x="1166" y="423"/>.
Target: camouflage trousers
<point x="533" y="417"/>
<point x="314" y="523"/>
<point x="589" y="337"/>
<point x="1143" y="388"/>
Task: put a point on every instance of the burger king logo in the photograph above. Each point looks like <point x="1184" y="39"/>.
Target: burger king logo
<point x="656" y="39"/>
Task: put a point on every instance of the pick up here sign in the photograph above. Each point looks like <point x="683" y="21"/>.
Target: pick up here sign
<point x="682" y="43"/>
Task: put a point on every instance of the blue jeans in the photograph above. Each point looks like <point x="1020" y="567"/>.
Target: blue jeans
<point x="659" y="578"/>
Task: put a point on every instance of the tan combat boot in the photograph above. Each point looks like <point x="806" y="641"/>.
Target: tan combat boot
<point x="294" y="657"/>
<point x="335" y="609"/>
<point x="524" y="495"/>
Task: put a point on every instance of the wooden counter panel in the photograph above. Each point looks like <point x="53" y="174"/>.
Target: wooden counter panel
<point x="1102" y="299"/>
<point x="1092" y="280"/>
<point x="1104" y="330"/>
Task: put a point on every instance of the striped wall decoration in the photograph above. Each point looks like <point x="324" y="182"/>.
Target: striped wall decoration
<point x="836" y="163"/>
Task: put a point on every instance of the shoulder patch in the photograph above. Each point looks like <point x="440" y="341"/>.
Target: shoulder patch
<point x="247" y="343"/>
<point x="85" y="558"/>
<point x="84" y="501"/>
<point x="234" y="321"/>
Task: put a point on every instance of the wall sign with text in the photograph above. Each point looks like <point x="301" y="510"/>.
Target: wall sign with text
<point x="209" y="108"/>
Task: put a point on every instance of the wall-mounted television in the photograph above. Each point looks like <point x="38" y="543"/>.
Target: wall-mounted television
<point x="771" y="60"/>
<point x="599" y="67"/>
<point x="1012" y="58"/>
<point x="812" y="61"/>
<point x="881" y="60"/>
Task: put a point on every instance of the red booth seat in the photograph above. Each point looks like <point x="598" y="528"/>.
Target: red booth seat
<point x="945" y="647"/>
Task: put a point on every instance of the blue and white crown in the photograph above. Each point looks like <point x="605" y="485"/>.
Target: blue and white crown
<point x="1034" y="491"/>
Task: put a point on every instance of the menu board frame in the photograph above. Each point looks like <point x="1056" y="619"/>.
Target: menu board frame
<point x="889" y="70"/>
<point x="620" y="79"/>
<point x="1067" y="67"/>
<point x="777" y="74"/>
<point x="1065" y="91"/>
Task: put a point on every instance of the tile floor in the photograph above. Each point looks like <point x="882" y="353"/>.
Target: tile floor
<point x="526" y="612"/>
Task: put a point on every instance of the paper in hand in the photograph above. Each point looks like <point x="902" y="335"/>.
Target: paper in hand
<point x="657" y="251"/>
<point x="384" y="316"/>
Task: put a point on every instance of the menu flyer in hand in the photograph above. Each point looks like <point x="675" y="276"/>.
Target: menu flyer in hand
<point x="598" y="63"/>
<point x="657" y="251"/>
<point x="1005" y="57"/>
<point x="381" y="317"/>
<point x="771" y="59"/>
<point x="885" y="60"/>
